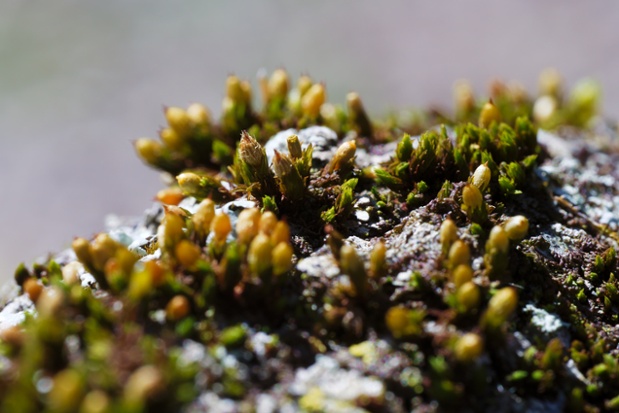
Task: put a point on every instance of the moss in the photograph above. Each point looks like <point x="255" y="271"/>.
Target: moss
<point x="431" y="260"/>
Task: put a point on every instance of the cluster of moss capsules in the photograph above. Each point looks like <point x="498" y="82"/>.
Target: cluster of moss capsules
<point x="215" y="277"/>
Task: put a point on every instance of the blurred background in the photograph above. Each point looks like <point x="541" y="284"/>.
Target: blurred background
<point x="80" y="79"/>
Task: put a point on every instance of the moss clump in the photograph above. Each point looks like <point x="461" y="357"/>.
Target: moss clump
<point x="451" y="274"/>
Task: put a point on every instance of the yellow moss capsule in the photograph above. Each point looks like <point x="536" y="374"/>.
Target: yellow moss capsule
<point x="282" y="258"/>
<point x="33" y="288"/>
<point x="378" y="260"/>
<point x="199" y="116"/>
<point x="468" y="296"/>
<point x="294" y="147"/>
<point x="140" y="285"/>
<point x="250" y="150"/>
<point x="481" y="177"/>
<point x="170" y="231"/>
<point x="70" y="273"/>
<point x="268" y="221"/>
<point x="448" y="234"/>
<point x="260" y="255"/>
<point x="278" y="84"/>
<point x="221" y="226"/>
<point x="178" y="307"/>
<point x="246" y="89"/>
<point x="145" y="383"/>
<point x="459" y="253"/>
<point x="203" y="217"/>
<point x="172" y="139"/>
<point x="462" y="274"/>
<point x="516" y="227"/>
<point x="67" y="391"/>
<point x="352" y="265"/>
<point x="400" y="323"/>
<point x="247" y="225"/>
<point x="170" y="196"/>
<point x="155" y="272"/>
<point x="343" y="156"/>
<point x="464" y="97"/>
<point x="95" y="401"/>
<point x="550" y="82"/>
<point x="189" y="182"/>
<point x="471" y="197"/>
<point x="178" y="120"/>
<point x="83" y="250"/>
<point x="234" y="91"/>
<point x="353" y="101"/>
<point x="469" y="347"/>
<point x="489" y="113"/>
<point x="502" y="305"/>
<point x="312" y="100"/>
<point x="149" y="150"/>
<point x="498" y="240"/>
<point x="187" y="253"/>
<point x="103" y="248"/>
<point x="50" y="301"/>
<point x="304" y="84"/>
<point x="281" y="233"/>
<point x="544" y="108"/>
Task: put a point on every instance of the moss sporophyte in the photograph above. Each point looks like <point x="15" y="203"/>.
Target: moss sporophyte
<point x="426" y="261"/>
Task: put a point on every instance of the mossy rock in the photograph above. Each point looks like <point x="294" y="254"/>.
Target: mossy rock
<point x="312" y="259"/>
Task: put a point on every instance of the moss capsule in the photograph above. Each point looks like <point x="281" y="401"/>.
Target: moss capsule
<point x="172" y="139"/>
<point x="516" y="227"/>
<point x="459" y="253"/>
<point x="468" y="296"/>
<point x="149" y="150"/>
<point x="282" y="258"/>
<point x="259" y="256"/>
<point x="448" y="234"/>
<point x="497" y="240"/>
<point x="481" y="177"/>
<point x="203" y="217"/>
<point x="352" y="265"/>
<point x="33" y="288"/>
<point x="177" y="308"/>
<point x="178" y="120"/>
<point x="502" y="304"/>
<point x="221" y="226"/>
<point x="462" y="274"/>
<point x="67" y="391"/>
<point x="468" y="348"/>
<point x="312" y="100"/>
<point x="96" y="401"/>
<point x="472" y="197"/>
<point x="170" y="196"/>
<point x="144" y="384"/>
<point x="378" y="260"/>
<point x="70" y="273"/>
<point x="344" y="156"/>
<point x="187" y="253"/>
<point x="281" y="233"/>
<point x="489" y="113"/>
<point x="247" y="225"/>
<point x="278" y="84"/>
<point x="199" y="116"/>
<point x="268" y="221"/>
